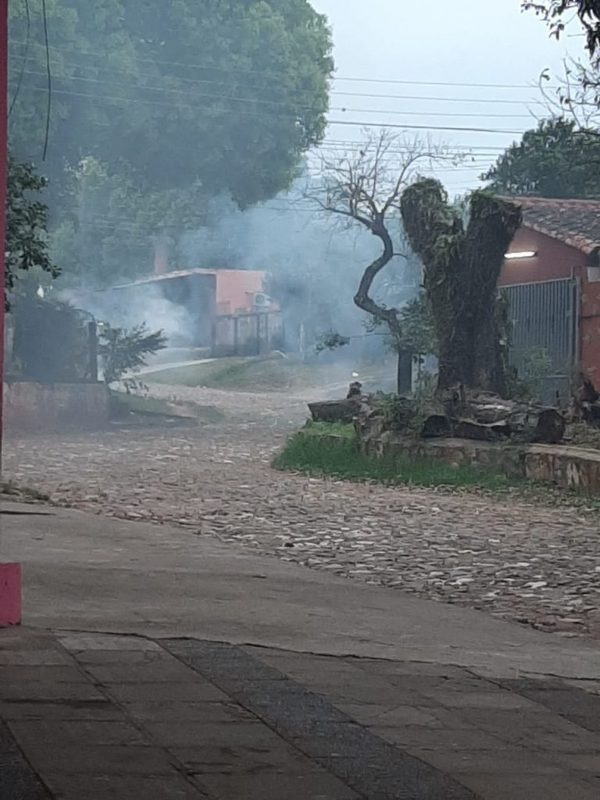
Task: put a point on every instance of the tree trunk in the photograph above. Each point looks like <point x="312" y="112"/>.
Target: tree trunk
<point x="404" y="372"/>
<point x="461" y="270"/>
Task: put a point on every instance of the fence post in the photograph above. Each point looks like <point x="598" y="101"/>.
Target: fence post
<point x="236" y="334"/>
<point x="267" y="334"/>
<point x="93" y="351"/>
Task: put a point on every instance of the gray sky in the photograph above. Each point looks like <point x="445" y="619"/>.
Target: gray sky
<point x="463" y="42"/>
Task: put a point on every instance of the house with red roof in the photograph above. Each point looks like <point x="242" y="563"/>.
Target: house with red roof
<point x="551" y="276"/>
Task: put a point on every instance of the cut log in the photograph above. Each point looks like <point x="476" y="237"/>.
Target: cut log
<point x="546" y="425"/>
<point x="335" y="410"/>
<point x="483" y="432"/>
<point x="436" y="426"/>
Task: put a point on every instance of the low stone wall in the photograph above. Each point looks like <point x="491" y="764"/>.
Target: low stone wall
<point x="562" y="465"/>
<point x="44" y="408"/>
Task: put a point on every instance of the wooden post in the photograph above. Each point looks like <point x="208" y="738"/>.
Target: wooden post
<point x="93" y="351"/>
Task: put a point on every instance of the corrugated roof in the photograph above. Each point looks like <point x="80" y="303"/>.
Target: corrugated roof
<point x="574" y="222"/>
<point x="180" y="273"/>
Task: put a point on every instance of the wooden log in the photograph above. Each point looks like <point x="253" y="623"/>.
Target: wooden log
<point x="483" y="432"/>
<point x="335" y="410"/>
<point x="546" y="425"/>
<point x="436" y="426"/>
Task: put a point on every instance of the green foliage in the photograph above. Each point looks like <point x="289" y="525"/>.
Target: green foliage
<point x="50" y="341"/>
<point x="124" y="351"/>
<point x="416" y="323"/>
<point x="415" y="333"/>
<point x="533" y="370"/>
<point x="223" y="93"/>
<point x="553" y="160"/>
<point x="341" y="458"/>
<point x="26" y="218"/>
<point x="343" y="429"/>
<point x="331" y="340"/>
<point x="558" y="12"/>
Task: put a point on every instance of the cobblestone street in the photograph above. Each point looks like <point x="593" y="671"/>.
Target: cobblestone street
<point x="538" y="565"/>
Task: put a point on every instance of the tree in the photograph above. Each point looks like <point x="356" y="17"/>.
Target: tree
<point x="578" y="92"/>
<point x="554" y="12"/>
<point x="124" y="351"/>
<point x="462" y="262"/>
<point x="552" y="160"/>
<point x="26" y="239"/>
<point x="226" y="93"/>
<point x="365" y="188"/>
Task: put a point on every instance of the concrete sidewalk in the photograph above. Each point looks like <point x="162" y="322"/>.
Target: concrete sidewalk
<point x="157" y="663"/>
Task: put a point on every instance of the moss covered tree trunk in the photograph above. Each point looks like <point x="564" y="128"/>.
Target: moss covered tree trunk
<point x="461" y="268"/>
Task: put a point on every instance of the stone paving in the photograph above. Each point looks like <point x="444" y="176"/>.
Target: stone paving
<point x="535" y="564"/>
<point x="98" y="716"/>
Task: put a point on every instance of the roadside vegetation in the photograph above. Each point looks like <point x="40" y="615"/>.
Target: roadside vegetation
<point x="259" y="374"/>
<point x="331" y="450"/>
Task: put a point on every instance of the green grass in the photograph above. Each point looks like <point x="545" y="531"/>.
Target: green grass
<point x="324" y="451"/>
<point x="146" y="404"/>
<point x="339" y="429"/>
<point x="331" y="450"/>
<point x="251" y="374"/>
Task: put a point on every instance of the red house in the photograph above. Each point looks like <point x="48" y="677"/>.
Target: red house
<point x="552" y="278"/>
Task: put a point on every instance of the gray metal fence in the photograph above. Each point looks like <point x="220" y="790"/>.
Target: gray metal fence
<point x="544" y="341"/>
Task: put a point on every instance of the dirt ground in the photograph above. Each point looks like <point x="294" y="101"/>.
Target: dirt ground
<point x="535" y="564"/>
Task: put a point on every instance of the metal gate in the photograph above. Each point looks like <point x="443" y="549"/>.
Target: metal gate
<point x="545" y="321"/>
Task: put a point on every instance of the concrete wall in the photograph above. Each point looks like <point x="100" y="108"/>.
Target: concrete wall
<point x="236" y="289"/>
<point x="561" y="465"/>
<point x="43" y="408"/>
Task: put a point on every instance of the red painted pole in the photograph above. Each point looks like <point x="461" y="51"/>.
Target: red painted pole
<point x="10" y="574"/>
<point x="3" y="179"/>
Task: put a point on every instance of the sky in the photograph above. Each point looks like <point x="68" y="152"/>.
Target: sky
<point x="444" y="44"/>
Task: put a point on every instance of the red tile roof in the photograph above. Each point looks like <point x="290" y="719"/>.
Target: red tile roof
<point x="574" y="222"/>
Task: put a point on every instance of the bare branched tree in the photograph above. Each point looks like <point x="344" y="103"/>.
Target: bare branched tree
<point x="364" y="187"/>
<point x="575" y="94"/>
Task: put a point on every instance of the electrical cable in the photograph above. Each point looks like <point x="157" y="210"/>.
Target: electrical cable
<point x="49" y="74"/>
<point x="25" y="58"/>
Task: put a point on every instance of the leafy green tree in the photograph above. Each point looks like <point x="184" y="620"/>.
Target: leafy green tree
<point x="552" y="160"/>
<point x="26" y="246"/>
<point x="224" y="93"/>
<point x="124" y="351"/>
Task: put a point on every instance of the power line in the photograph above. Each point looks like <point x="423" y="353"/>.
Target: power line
<point x="24" y="56"/>
<point x="353" y="123"/>
<point x="48" y="79"/>
<point x="233" y="70"/>
<point x="395" y="112"/>
<point x="478" y="100"/>
<point x="439" y="83"/>
<point x="333" y="93"/>
<point x="284" y="103"/>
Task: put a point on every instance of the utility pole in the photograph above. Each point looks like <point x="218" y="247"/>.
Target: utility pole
<point x="10" y="574"/>
<point x="3" y="178"/>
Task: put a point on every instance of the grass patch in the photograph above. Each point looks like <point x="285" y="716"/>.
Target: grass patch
<point x="338" y="455"/>
<point x="331" y="450"/>
<point x="341" y="429"/>
<point x="146" y="404"/>
<point x="250" y="374"/>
